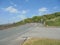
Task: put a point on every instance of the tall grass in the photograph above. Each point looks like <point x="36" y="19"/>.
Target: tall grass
<point x="56" y="22"/>
<point x="37" y="41"/>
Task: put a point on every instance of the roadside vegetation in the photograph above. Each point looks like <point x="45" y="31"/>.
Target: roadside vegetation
<point x="53" y="22"/>
<point x="41" y="41"/>
<point x="48" y="19"/>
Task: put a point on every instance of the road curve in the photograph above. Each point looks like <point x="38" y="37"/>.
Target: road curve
<point x="17" y="35"/>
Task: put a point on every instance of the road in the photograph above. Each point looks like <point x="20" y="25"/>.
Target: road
<point x="17" y="35"/>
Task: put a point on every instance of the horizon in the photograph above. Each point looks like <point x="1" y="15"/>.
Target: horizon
<point x="16" y="10"/>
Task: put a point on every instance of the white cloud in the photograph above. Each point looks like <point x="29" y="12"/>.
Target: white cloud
<point x="24" y="11"/>
<point x="19" y="17"/>
<point x="11" y="9"/>
<point x="43" y="9"/>
<point x="20" y="14"/>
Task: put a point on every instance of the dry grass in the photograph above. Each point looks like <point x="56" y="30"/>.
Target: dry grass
<point x="41" y="41"/>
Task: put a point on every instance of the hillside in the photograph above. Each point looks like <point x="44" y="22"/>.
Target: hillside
<point x="49" y="19"/>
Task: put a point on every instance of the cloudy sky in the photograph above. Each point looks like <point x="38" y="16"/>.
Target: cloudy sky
<point x="16" y="10"/>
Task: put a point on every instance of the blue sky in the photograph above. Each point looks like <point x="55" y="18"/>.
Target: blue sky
<point x="16" y="10"/>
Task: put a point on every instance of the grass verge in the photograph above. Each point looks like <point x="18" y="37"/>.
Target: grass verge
<point x="41" y="41"/>
<point x="55" y="22"/>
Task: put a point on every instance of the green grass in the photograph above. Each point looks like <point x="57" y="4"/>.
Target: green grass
<point x="56" y="22"/>
<point x="39" y="41"/>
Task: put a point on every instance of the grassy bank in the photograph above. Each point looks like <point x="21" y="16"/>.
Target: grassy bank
<point x="39" y="41"/>
<point x="53" y="22"/>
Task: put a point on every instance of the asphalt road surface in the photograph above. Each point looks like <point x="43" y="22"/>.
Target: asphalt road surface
<point x="17" y="35"/>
